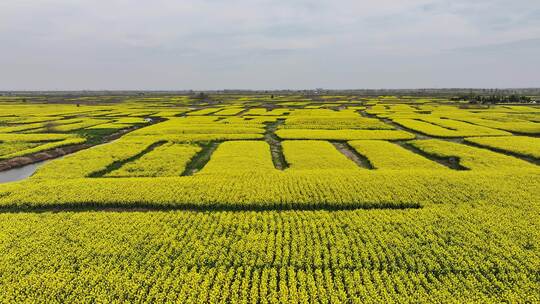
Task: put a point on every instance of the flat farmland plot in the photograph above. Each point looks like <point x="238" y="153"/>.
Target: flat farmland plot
<point x="270" y="199"/>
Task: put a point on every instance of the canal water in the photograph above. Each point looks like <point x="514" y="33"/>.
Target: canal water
<point x="21" y="173"/>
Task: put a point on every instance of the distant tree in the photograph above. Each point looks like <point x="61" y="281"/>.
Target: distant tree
<point x="493" y="99"/>
<point x="200" y="97"/>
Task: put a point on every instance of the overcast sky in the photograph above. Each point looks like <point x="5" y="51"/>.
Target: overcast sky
<point x="215" y="44"/>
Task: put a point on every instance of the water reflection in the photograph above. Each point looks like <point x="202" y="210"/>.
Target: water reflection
<point x="21" y="173"/>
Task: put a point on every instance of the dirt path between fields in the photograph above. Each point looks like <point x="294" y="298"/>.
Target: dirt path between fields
<point x="200" y="159"/>
<point x="351" y="154"/>
<point x="278" y="158"/>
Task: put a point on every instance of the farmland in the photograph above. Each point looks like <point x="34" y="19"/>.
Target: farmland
<point x="270" y="199"/>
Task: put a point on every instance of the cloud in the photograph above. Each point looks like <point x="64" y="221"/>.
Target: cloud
<point x="134" y="44"/>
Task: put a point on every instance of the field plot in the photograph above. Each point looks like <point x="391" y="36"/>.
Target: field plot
<point x="315" y="155"/>
<point x="240" y="156"/>
<point x="343" y="134"/>
<point x="386" y="155"/>
<point x="522" y="145"/>
<point x="270" y="199"/>
<point x="447" y="128"/>
<point x="165" y="160"/>
<point x="471" y="157"/>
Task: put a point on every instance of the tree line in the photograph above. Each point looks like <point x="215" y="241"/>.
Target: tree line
<point x="494" y="99"/>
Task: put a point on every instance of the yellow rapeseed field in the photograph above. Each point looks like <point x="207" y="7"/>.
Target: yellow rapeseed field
<point x="261" y="198"/>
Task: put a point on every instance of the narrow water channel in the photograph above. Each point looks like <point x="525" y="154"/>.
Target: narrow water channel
<point x="21" y="173"/>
